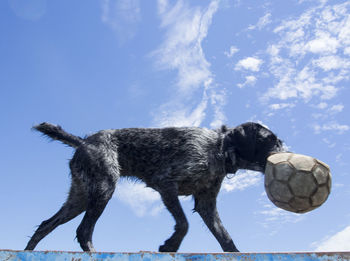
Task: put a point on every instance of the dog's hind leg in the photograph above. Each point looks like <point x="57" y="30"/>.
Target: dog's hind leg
<point x="205" y="205"/>
<point x="99" y="196"/>
<point x="75" y="204"/>
<point x="98" y="163"/>
<point x="169" y="195"/>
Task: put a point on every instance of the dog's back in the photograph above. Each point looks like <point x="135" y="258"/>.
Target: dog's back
<point x="182" y="155"/>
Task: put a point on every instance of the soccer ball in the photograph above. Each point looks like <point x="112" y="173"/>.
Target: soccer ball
<point x="296" y="182"/>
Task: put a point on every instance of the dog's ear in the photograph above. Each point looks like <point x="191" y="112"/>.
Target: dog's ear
<point x="265" y="139"/>
<point x="267" y="143"/>
<point x="253" y="141"/>
<point x="243" y="141"/>
<point x="264" y="133"/>
<point x="238" y="143"/>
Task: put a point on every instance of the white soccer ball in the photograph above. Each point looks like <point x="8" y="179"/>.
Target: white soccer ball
<point x="296" y="182"/>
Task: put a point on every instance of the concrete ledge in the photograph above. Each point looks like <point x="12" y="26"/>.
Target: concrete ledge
<point x="11" y="255"/>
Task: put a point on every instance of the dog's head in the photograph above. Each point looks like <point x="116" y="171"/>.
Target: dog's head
<point x="248" y="146"/>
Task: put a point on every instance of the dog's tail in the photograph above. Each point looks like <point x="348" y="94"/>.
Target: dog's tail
<point x="55" y="132"/>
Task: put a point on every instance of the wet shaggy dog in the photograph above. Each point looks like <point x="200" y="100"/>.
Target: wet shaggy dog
<point x="173" y="161"/>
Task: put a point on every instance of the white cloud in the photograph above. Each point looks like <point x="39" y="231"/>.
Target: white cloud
<point x="162" y="6"/>
<point x="337" y="242"/>
<point x="302" y="83"/>
<point x="233" y="50"/>
<point x="319" y="116"/>
<point x="331" y="126"/>
<point x="336" y="108"/>
<point x="323" y="44"/>
<point x="279" y="106"/>
<point x="273" y="218"/>
<point x="249" y="80"/>
<point x="242" y="180"/>
<point x="339" y="157"/>
<point x="273" y="213"/>
<point x="181" y="50"/>
<point x="302" y="1"/>
<point x="331" y="62"/>
<point x="329" y="143"/>
<point x="122" y="16"/>
<point x="218" y="100"/>
<point x="322" y="105"/>
<point x="142" y="200"/>
<point x="263" y="21"/>
<point x="249" y="63"/>
<point x="176" y="114"/>
<point x="344" y="34"/>
<point x="347" y="50"/>
<point x="309" y="46"/>
<point x="185" y="28"/>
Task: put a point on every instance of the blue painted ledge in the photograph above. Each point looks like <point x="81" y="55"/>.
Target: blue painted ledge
<point x="10" y="255"/>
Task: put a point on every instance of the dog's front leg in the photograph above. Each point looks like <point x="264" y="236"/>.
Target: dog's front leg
<point x="205" y="205"/>
<point x="169" y="194"/>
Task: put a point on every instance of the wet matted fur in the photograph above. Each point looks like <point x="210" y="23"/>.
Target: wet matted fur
<point x="173" y="161"/>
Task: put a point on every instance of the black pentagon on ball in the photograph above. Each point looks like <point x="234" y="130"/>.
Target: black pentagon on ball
<point x="320" y="196"/>
<point x="283" y="171"/>
<point x="269" y="174"/>
<point x="303" y="184"/>
<point x="280" y="191"/>
<point x="321" y="174"/>
<point x="284" y="206"/>
<point x="300" y="205"/>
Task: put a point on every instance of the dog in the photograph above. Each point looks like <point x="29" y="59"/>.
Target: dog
<point x="173" y="161"/>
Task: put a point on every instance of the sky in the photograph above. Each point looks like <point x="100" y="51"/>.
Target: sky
<point x="110" y="64"/>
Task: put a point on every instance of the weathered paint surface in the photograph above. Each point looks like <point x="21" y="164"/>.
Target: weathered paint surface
<point x="10" y="255"/>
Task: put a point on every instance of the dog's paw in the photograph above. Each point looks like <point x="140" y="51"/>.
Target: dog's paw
<point x="163" y="248"/>
<point x="166" y="248"/>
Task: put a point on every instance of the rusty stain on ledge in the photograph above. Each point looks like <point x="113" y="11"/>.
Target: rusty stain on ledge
<point x="12" y="255"/>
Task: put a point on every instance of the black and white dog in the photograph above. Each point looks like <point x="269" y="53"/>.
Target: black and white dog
<point x="172" y="161"/>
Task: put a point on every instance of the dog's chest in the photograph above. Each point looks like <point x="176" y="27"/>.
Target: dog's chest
<point x="200" y="183"/>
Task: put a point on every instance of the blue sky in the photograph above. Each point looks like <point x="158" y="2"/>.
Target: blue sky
<point x="117" y="64"/>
